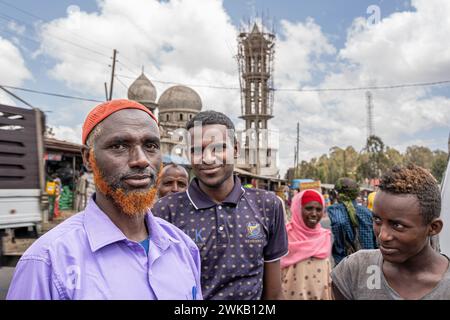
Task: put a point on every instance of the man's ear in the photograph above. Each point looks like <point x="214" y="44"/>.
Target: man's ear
<point x="86" y="154"/>
<point x="435" y="227"/>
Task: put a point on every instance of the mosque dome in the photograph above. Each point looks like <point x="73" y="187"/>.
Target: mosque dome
<point x="180" y="97"/>
<point x="142" y="90"/>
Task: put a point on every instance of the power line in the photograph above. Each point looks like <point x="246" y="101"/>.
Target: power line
<point x="65" y="51"/>
<point x="18" y="9"/>
<point x="9" y="18"/>
<point x="45" y="20"/>
<point x="422" y="84"/>
<point x="73" y="33"/>
<point x="384" y="87"/>
<point x="51" y="94"/>
<point x="167" y="82"/>
<point x="121" y="82"/>
<point x="16" y="97"/>
<point x="123" y="65"/>
<point x="177" y="83"/>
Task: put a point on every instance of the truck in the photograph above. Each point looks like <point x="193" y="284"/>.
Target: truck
<point x="21" y="172"/>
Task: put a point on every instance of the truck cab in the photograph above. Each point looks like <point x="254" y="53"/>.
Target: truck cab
<point x="21" y="170"/>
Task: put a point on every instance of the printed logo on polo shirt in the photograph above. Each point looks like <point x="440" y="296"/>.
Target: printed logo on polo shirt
<point x="196" y="235"/>
<point x="254" y="231"/>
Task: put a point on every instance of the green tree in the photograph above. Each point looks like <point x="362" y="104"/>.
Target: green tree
<point x="439" y="164"/>
<point x="352" y="160"/>
<point x="307" y="170"/>
<point x="373" y="160"/>
<point x="394" y="157"/>
<point x="420" y="156"/>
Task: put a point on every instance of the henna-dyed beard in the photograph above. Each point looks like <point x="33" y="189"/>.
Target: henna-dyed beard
<point x="132" y="203"/>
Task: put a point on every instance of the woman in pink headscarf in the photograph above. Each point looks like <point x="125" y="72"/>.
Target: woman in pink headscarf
<point x="306" y="269"/>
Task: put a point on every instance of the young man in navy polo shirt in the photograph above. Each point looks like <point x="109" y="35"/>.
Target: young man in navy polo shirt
<point x="240" y="232"/>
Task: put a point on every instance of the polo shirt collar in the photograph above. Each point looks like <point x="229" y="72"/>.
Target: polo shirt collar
<point x="200" y="200"/>
<point x="101" y="231"/>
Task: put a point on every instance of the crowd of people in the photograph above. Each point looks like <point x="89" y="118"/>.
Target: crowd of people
<point x="149" y="232"/>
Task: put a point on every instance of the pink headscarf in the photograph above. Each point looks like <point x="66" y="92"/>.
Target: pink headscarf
<point x="305" y="242"/>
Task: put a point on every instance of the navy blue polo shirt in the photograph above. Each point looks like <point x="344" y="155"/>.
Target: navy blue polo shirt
<point x="235" y="237"/>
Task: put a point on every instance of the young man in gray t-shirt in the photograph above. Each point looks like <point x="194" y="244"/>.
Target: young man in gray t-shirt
<point x="406" y="216"/>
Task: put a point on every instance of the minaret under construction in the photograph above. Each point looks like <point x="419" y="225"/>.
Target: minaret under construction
<point x="255" y="59"/>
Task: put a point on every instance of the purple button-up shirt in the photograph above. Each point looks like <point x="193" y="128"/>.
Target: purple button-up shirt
<point x="88" y="257"/>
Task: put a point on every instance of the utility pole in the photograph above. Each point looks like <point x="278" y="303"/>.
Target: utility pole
<point x="106" y="91"/>
<point x="295" y="162"/>
<point x="112" y="75"/>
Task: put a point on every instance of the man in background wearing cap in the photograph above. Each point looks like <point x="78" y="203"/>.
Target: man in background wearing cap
<point x="115" y="248"/>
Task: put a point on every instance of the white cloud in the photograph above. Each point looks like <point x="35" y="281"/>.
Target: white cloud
<point x="13" y="69"/>
<point x="168" y="38"/>
<point x="175" y="41"/>
<point x="68" y="133"/>
<point x="405" y="47"/>
<point x="299" y="51"/>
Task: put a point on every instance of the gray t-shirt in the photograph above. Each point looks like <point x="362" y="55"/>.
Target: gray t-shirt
<point x="360" y="277"/>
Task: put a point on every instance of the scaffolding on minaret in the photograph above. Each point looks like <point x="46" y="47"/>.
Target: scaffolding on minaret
<point x="256" y="63"/>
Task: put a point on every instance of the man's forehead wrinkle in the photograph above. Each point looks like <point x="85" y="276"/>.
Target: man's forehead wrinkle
<point x="180" y="172"/>
<point x="130" y="117"/>
<point x="135" y="136"/>
<point x="133" y="113"/>
<point x="118" y="127"/>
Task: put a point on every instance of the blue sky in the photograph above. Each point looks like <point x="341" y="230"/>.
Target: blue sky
<point x="333" y="16"/>
<point x="314" y="49"/>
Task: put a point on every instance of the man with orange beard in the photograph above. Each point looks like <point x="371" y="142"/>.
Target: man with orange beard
<point x="115" y="248"/>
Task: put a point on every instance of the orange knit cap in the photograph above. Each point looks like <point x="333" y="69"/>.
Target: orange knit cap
<point x="105" y="109"/>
